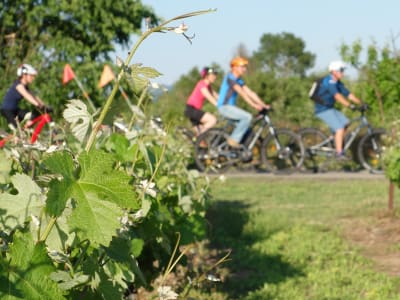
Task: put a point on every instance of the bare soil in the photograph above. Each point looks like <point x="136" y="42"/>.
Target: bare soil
<point x="378" y="238"/>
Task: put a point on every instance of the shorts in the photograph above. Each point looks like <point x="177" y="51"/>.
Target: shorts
<point x="195" y="115"/>
<point x="333" y="118"/>
<point x="13" y="114"/>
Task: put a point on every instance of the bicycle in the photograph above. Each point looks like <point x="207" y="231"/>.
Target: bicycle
<point x="278" y="150"/>
<point x="319" y="147"/>
<point x="37" y="124"/>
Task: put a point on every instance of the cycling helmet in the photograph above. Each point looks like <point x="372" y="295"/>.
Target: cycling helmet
<point x="337" y="66"/>
<point x="207" y="70"/>
<point x="26" y="69"/>
<point x="239" y="61"/>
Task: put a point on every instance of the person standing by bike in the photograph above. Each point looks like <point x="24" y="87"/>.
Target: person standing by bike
<point x="333" y="90"/>
<point x="20" y="90"/>
<point x="232" y="86"/>
<point x="200" y="119"/>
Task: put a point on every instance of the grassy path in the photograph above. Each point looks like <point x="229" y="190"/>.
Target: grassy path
<point x="287" y="242"/>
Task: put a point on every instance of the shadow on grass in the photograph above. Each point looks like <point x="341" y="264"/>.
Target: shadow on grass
<point x="249" y="269"/>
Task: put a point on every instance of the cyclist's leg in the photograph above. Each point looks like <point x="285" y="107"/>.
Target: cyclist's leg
<point x="207" y="121"/>
<point x="11" y="116"/>
<point x="337" y="123"/>
<point x="242" y="117"/>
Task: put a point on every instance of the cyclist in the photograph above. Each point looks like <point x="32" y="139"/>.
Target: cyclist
<point x="232" y="86"/>
<point x="333" y="90"/>
<point x="20" y="90"/>
<point x="200" y="119"/>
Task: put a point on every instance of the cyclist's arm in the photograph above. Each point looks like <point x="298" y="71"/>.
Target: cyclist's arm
<point x="353" y="98"/>
<point x="210" y="97"/>
<point x="36" y="101"/>
<point x="254" y="97"/>
<point x="342" y="100"/>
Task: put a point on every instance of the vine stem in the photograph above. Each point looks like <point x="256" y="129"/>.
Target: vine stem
<point x="48" y="228"/>
<point x="110" y="98"/>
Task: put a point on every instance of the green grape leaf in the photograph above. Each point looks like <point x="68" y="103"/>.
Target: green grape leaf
<point x="98" y="176"/>
<point x="28" y="271"/>
<point x="98" y="195"/>
<point x="141" y="75"/>
<point x="58" y="195"/>
<point x="5" y="167"/>
<point x="61" y="163"/>
<point x="20" y="207"/>
<point x="66" y="282"/>
<point x="77" y="114"/>
<point x="93" y="218"/>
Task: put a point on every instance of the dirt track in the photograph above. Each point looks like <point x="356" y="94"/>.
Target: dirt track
<point x="303" y="176"/>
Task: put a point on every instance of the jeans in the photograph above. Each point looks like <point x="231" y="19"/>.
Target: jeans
<point x="242" y="117"/>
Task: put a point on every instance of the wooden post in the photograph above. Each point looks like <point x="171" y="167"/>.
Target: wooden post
<point x="391" y="184"/>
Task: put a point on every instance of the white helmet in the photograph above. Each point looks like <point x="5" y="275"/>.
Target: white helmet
<point x="26" y="69"/>
<point x="337" y="66"/>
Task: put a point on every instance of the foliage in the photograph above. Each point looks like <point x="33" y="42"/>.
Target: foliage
<point x="92" y="220"/>
<point x="53" y="33"/>
<point x="283" y="54"/>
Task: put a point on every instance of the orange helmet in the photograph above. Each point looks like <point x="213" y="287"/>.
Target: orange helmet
<point x="239" y="61"/>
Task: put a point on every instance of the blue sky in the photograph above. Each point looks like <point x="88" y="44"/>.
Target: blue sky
<point x="323" y="25"/>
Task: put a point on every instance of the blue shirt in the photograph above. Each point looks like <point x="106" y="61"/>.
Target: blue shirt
<point x="328" y="89"/>
<point x="12" y="97"/>
<point x="227" y="95"/>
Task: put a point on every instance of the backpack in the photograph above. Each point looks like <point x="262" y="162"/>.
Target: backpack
<point x="313" y="93"/>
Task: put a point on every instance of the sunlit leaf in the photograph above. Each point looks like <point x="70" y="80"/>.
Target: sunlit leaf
<point x="77" y="114"/>
<point x="19" y="207"/>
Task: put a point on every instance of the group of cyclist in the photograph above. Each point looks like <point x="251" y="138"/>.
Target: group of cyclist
<point x="331" y="90"/>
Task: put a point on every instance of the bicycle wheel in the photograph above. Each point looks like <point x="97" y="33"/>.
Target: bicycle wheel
<point x="315" y="157"/>
<point x="370" y="150"/>
<point x="212" y="152"/>
<point x="282" y="152"/>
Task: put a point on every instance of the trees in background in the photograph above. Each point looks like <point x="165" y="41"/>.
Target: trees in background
<point x="279" y="72"/>
<point x="49" y="34"/>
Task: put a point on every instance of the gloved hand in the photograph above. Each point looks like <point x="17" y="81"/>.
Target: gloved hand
<point x="364" y="107"/>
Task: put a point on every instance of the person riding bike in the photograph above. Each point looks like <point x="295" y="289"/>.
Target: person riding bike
<point x="232" y="86"/>
<point x="20" y="90"/>
<point x="200" y="119"/>
<point x="333" y="90"/>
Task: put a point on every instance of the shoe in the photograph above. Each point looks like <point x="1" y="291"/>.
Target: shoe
<point x="203" y="144"/>
<point x="341" y="157"/>
<point x="233" y="143"/>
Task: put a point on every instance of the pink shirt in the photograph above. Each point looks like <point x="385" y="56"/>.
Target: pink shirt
<point x="196" y="99"/>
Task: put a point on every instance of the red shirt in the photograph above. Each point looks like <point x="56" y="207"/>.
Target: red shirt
<point x="196" y="99"/>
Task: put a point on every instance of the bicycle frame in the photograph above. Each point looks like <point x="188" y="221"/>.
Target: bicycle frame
<point x="349" y="138"/>
<point x="40" y="121"/>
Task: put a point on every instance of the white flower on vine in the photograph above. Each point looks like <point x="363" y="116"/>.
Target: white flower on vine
<point x="148" y="188"/>
<point x="181" y="28"/>
<point x="35" y="221"/>
<point x="222" y="178"/>
<point x="137" y="215"/>
<point x="166" y="293"/>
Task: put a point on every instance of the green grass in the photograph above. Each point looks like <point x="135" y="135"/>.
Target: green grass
<point x="286" y="242"/>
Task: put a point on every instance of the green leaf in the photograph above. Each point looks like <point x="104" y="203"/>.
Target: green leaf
<point x="77" y="114"/>
<point x="28" y="271"/>
<point x="141" y="75"/>
<point x="99" y="177"/>
<point x="5" y="167"/>
<point x="94" y="218"/>
<point x="61" y="163"/>
<point x="18" y="208"/>
<point x="66" y="282"/>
